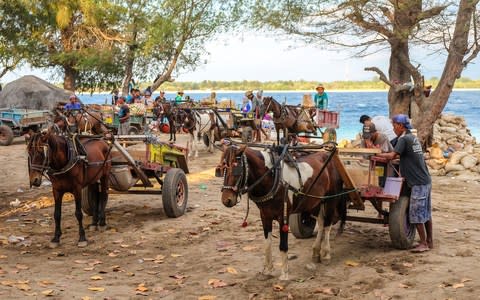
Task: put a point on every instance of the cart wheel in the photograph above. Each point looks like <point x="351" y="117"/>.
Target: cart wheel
<point x="89" y="197"/>
<point x="206" y="140"/>
<point x="175" y="193"/>
<point x="6" y="135"/>
<point x="132" y="130"/>
<point x="402" y="233"/>
<point x="302" y="225"/>
<point x="247" y="134"/>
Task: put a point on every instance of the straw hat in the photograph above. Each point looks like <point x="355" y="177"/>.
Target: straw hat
<point x="248" y="93"/>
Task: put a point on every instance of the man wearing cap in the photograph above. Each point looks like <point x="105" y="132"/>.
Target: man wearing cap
<point x="321" y="98"/>
<point x="414" y="169"/>
<point x="73" y="104"/>
<point x="179" y="98"/>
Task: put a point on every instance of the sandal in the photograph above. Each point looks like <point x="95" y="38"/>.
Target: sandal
<point x="420" y="248"/>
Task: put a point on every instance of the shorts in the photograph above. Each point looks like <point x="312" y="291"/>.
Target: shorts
<point x="420" y="210"/>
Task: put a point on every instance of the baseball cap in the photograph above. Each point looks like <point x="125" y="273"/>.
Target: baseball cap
<point x="402" y="119"/>
<point x="363" y="118"/>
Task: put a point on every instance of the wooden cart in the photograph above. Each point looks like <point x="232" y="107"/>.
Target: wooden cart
<point x="373" y="179"/>
<point x="158" y="169"/>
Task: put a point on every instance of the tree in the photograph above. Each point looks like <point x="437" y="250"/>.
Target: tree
<point x="74" y="37"/>
<point x="160" y="46"/>
<point x="369" y="26"/>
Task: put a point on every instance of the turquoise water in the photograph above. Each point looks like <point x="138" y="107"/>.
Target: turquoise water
<point x="351" y="105"/>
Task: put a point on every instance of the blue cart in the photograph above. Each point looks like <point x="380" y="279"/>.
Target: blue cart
<point x="16" y="122"/>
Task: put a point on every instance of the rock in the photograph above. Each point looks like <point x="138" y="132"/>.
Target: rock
<point x="469" y="161"/>
<point x="456" y="157"/>
<point x="33" y="93"/>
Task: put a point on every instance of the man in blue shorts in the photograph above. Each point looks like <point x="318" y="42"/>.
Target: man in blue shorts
<point x="414" y="169"/>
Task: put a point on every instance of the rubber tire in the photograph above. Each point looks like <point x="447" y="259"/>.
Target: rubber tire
<point x="175" y="193"/>
<point x="302" y="225"/>
<point x="402" y="233"/>
<point x="6" y="135"/>
<point x="132" y="130"/>
<point x="89" y="196"/>
<point x="329" y="135"/>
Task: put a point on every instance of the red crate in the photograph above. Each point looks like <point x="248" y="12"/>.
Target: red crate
<point x="328" y="119"/>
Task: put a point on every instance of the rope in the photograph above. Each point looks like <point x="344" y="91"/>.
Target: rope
<point x="326" y="197"/>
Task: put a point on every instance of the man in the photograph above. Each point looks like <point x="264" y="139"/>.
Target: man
<point x="179" y="98"/>
<point x="73" y="104"/>
<point x="414" y="169"/>
<point x="123" y="116"/>
<point x="372" y="138"/>
<point x="248" y="102"/>
<point x="321" y="98"/>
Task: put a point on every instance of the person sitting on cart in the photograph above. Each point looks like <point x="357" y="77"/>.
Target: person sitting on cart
<point x="248" y="102"/>
<point x="419" y="182"/>
<point x="73" y="104"/>
<point x="179" y="99"/>
<point x="123" y="116"/>
<point x="321" y="98"/>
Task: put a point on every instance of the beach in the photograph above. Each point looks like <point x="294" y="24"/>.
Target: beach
<point x="206" y="254"/>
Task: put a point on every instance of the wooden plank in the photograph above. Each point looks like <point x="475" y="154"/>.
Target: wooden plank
<point x="348" y="183"/>
<point x="359" y="150"/>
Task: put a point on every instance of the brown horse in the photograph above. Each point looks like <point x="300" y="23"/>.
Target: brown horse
<point x="288" y="118"/>
<point x="168" y="110"/>
<point x="54" y="156"/>
<point x="87" y="120"/>
<point x="312" y="187"/>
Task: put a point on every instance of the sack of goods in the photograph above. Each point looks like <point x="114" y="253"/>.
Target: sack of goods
<point x="137" y="109"/>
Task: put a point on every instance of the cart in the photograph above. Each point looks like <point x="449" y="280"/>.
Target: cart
<point x="158" y="169"/>
<point x="16" y="122"/>
<point x="367" y="178"/>
<point x="137" y="122"/>
<point x="232" y="124"/>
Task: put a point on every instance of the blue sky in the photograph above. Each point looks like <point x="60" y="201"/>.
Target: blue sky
<point x="249" y="57"/>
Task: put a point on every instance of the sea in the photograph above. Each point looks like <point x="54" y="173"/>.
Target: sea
<point x="350" y="105"/>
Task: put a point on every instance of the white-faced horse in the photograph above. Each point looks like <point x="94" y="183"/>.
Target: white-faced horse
<point x="312" y="187"/>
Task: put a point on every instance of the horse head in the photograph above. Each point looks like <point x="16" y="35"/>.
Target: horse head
<point x="38" y="157"/>
<point x="233" y="168"/>
<point x="271" y="105"/>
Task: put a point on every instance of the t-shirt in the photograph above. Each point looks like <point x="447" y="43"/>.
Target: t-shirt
<point x="124" y="110"/>
<point x="179" y="99"/>
<point x="412" y="163"/>
<point x="321" y="100"/>
<point x="70" y="106"/>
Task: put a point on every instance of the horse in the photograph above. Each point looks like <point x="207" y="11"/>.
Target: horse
<point x="54" y="156"/>
<point x="167" y="110"/>
<point x="88" y="120"/>
<point x="288" y="118"/>
<point x="313" y="186"/>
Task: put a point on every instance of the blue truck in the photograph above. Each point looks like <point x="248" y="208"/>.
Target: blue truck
<point x="17" y="122"/>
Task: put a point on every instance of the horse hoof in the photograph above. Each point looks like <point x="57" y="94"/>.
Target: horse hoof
<point x="283" y="277"/>
<point x="82" y="244"/>
<point x="316" y="259"/>
<point x="326" y="261"/>
<point x="54" y="245"/>
<point x="103" y="228"/>
<point x="92" y="227"/>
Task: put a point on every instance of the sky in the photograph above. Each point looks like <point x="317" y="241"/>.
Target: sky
<point x="251" y="57"/>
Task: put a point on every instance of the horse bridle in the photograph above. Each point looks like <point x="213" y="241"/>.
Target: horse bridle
<point x="240" y="170"/>
<point x="46" y="160"/>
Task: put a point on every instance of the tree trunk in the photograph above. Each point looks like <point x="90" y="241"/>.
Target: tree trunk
<point x="399" y="95"/>
<point x="69" y="78"/>
<point x="432" y="107"/>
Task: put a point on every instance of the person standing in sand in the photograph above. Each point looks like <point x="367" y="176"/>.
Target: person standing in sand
<point x="321" y="98"/>
<point x="414" y="169"/>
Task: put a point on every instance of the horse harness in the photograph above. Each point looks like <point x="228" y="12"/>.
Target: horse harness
<point x="241" y="169"/>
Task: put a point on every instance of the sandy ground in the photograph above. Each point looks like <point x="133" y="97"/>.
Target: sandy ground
<point x="206" y="254"/>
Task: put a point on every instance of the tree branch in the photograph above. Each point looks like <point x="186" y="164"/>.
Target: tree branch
<point x="381" y="74"/>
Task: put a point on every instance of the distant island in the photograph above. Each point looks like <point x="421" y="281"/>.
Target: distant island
<point x="297" y="85"/>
